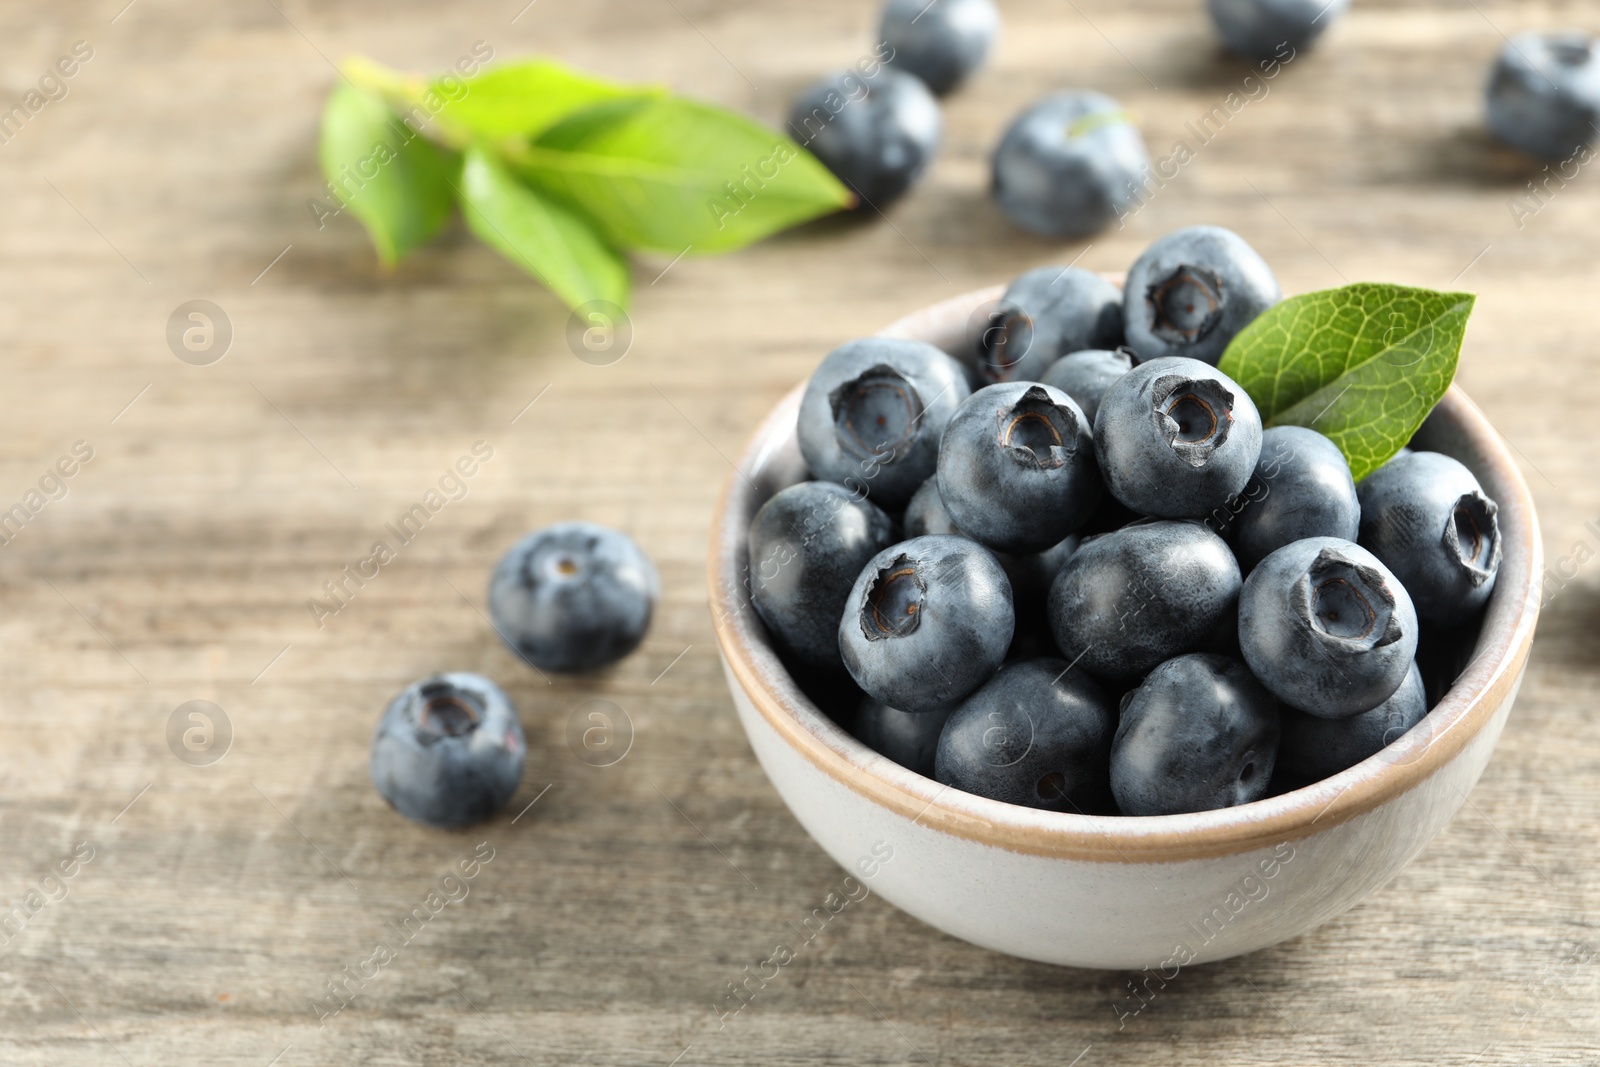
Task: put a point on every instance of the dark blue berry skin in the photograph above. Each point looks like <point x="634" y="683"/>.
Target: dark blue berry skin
<point x="1043" y="315"/>
<point x="1314" y="748"/>
<point x="1129" y="600"/>
<point x="1176" y="439"/>
<point x="1263" y="29"/>
<point x="1327" y="628"/>
<point x="1198" y="734"/>
<point x="940" y="43"/>
<point x="573" y="597"/>
<point x="1301" y="488"/>
<point x="1544" y="94"/>
<point x="928" y="621"/>
<point x="873" y="413"/>
<point x="448" y="750"/>
<point x="1017" y="468"/>
<point x="908" y="738"/>
<point x="1069" y="165"/>
<point x="807" y="545"/>
<point x="1086" y="375"/>
<point x="1030" y="575"/>
<point x="1425" y="516"/>
<point x="1190" y="292"/>
<point x="1037" y="734"/>
<point x="876" y="134"/>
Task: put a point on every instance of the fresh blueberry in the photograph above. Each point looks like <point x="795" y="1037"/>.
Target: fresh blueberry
<point x="1301" y="488"/>
<point x="941" y="43"/>
<point x="877" y="134"/>
<point x="807" y="545"/>
<point x="1030" y="575"/>
<point x="1037" y="734"/>
<point x="1327" y="627"/>
<point x="908" y="738"/>
<point x="1425" y="516"/>
<point x="873" y="413"/>
<point x="1544" y="93"/>
<point x="1264" y="29"/>
<point x="1198" y="734"/>
<point x="448" y="750"/>
<point x="1176" y="438"/>
<point x="1314" y="748"/>
<point x="1069" y="165"/>
<point x="1086" y="375"/>
<point x="1043" y="315"/>
<point x="1131" y="599"/>
<point x="1016" y="467"/>
<point x="928" y="621"/>
<point x="573" y="596"/>
<point x="1190" y="292"/>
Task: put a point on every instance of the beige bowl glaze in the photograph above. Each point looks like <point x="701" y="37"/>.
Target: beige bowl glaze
<point x="1092" y="891"/>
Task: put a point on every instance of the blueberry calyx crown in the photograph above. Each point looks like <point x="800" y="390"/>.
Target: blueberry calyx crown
<point x="1347" y="603"/>
<point x="893" y="604"/>
<point x="446" y="711"/>
<point x="1472" y="537"/>
<point x="876" y="413"/>
<point x="1570" y="49"/>
<point x="1186" y="304"/>
<point x="1195" y="415"/>
<point x="1036" y="431"/>
<point x="1005" y="341"/>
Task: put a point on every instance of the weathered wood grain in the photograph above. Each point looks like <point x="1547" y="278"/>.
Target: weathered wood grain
<point x="221" y="899"/>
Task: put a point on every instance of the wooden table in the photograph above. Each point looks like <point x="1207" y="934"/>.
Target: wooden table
<point x="220" y="899"/>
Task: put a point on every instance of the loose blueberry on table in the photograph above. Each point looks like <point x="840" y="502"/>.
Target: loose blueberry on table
<point x="1272" y="29"/>
<point x="1089" y="515"/>
<point x="573" y="597"/>
<point x="876" y="132"/>
<point x="1069" y="165"/>
<point x="1544" y="95"/>
<point x="448" y="750"/>
<point x="940" y="43"/>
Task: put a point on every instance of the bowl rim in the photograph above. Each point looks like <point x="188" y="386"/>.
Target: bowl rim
<point x="1465" y="710"/>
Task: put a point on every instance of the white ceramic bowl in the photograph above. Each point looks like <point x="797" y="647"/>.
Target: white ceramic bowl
<point x="1096" y="891"/>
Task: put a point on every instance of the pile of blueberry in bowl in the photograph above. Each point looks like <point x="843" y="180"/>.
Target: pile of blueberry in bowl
<point x="1058" y="613"/>
<point x="1072" y="565"/>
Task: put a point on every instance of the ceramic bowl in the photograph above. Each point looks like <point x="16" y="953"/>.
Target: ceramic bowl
<point x="1093" y="891"/>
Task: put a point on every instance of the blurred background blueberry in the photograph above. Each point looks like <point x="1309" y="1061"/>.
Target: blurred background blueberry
<point x="1544" y="93"/>
<point x="1264" y="29"/>
<point x="877" y="134"/>
<point x="1069" y="165"/>
<point x="940" y="41"/>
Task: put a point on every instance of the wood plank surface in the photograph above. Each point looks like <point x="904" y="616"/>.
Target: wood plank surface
<point x="219" y="900"/>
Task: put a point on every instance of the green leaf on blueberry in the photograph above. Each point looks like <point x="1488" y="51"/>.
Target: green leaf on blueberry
<point x="559" y="171"/>
<point x="1363" y="364"/>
